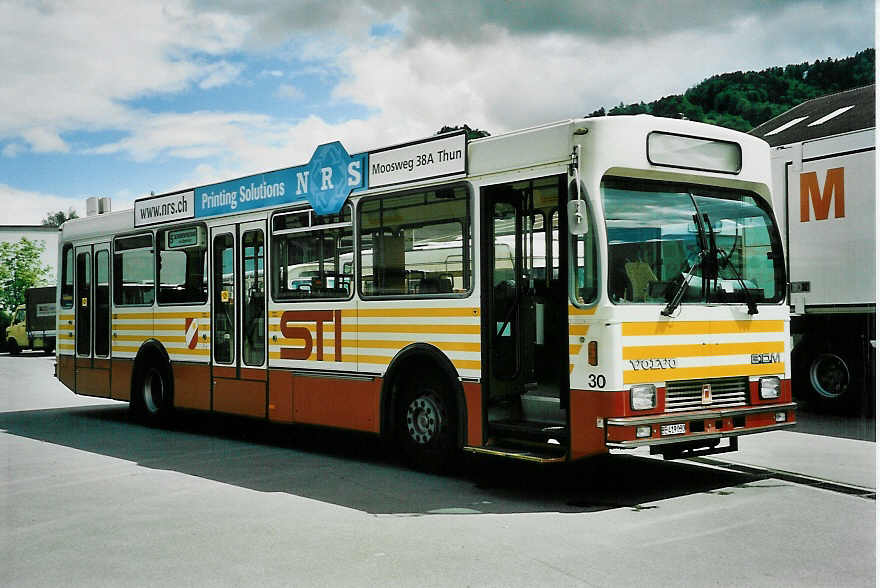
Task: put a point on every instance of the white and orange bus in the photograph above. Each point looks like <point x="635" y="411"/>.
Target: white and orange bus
<point x="546" y="294"/>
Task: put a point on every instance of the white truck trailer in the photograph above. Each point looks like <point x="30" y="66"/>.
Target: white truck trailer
<point x="823" y="165"/>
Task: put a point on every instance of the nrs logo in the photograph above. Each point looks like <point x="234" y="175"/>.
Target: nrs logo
<point x="292" y="331"/>
<point x="831" y="190"/>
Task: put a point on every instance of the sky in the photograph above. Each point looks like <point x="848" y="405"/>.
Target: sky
<point x="123" y="98"/>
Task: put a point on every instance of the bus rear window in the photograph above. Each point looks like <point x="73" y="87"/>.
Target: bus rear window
<point x="67" y="276"/>
<point x="133" y="271"/>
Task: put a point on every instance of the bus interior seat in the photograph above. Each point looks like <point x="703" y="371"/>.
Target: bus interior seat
<point x="640" y="276"/>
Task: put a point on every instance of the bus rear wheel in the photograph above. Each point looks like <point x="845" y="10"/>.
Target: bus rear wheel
<point x="425" y="424"/>
<point x="12" y="346"/>
<point x="151" y="395"/>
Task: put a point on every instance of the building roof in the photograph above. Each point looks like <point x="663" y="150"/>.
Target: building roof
<point x="844" y="112"/>
<point x="27" y="228"/>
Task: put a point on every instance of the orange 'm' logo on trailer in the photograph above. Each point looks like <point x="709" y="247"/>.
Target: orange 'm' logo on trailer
<point x="319" y="317"/>
<point x="832" y="190"/>
<point x="192" y="332"/>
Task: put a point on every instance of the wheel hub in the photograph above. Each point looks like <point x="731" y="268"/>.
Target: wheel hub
<point x="424" y="419"/>
<point x="829" y="375"/>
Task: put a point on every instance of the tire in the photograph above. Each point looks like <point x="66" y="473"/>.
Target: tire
<point x="829" y="376"/>
<point x="426" y="422"/>
<point x="12" y="346"/>
<point x="151" y="395"/>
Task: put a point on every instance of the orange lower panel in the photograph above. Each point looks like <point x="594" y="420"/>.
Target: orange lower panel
<point x="281" y="396"/>
<point x="473" y="398"/>
<point x="93" y="382"/>
<point x="192" y="386"/>
<point x="120" y="382"/>
<point x="244" y="397"/>
<point x="348" y="404"/>
<point x="586" y="406"/>
<point x="66" y="371"/>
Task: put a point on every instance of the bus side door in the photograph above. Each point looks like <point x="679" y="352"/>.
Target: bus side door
<point x="92" y="320"/>
<point x="238" y="319"/>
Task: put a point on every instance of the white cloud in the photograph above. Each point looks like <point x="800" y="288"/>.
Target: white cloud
<point x="189" y="135"/>
<point x="290" y="92"/>
<point x="25" y="207"/>
<point x="220" y="74"/>
<point x="71" y="65"/>
<point x="496" y="65"/>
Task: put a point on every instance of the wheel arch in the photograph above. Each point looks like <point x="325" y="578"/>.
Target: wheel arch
<point x="413" y="358"/>
<point x="152" y="350"/>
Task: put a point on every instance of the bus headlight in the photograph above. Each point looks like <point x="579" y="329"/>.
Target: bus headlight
<point x="770" y="387"/>
<point x="643" y="396"/>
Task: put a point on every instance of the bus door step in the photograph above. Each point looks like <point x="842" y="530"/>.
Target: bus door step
<point x="529" y="431"/>
<point x="548" y="454"/>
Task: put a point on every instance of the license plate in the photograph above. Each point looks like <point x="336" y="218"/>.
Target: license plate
<point x="676" y="429"/>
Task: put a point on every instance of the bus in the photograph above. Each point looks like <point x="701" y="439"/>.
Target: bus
<point x="548" y="294"/>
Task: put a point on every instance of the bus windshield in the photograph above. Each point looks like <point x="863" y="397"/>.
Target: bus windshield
<point x="661" y="233"/>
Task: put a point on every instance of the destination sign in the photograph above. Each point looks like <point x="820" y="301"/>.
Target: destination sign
<point x="432" y="158"/>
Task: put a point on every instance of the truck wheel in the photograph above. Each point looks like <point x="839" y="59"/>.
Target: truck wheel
<point x="425" y="422"/>
<point x="828" y="376"/>
<point x="12" y="346"/>
<point x="151" y="397"/>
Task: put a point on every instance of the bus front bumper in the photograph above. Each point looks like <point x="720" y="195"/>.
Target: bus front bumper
<point x="697" y="427"/>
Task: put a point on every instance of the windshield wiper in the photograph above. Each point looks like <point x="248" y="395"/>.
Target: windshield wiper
<point x="676" y="300"/>
<point x="750" y="300"/>
<point x="714" y="252"/>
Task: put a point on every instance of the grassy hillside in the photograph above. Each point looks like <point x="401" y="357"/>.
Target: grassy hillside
<point x="743" y="100"/>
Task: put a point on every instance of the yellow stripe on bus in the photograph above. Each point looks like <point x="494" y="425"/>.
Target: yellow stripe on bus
<point x="701" y="327"/>
<point x="694" y="373"/>
<point x="154" y="327"/>
<point x="575" y="311"/>
<point x="701" y="350"/>
<point x="469" y="311"/>
<point x="171" y="350"/>
<point x="437" y="328"/>
<point x="578" y="330"/>
<point x="444" y="345"/>
<point x="328" y="357"/>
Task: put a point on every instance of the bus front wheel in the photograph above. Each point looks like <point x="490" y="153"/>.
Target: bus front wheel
<point x="425" y="423"/>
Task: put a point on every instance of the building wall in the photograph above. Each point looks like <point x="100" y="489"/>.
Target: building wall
<point x="49" y="237"/>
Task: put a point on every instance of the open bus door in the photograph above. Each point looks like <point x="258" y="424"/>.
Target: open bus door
<point x="239" y="359"/>
<point x="524" y="301"/>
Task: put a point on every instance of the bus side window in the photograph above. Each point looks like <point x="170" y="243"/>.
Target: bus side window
<point x="312" y="255"/>
<point x="183" y="266"/>
<point x="67" y="276"/>
<point x="133" y="270"/>
<point x="416" y="243"/>
<point x="585" y="281"/>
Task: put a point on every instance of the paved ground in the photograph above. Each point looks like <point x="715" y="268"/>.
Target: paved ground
<point x="88" y="498"/>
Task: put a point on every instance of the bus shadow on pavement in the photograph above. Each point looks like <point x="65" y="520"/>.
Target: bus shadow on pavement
<point x="358" y="471"/>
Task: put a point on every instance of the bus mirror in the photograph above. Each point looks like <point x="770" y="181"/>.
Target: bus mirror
<point x="577" y="217"/>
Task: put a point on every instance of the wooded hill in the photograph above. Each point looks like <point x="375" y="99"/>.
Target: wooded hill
<point x="743" y="100"/>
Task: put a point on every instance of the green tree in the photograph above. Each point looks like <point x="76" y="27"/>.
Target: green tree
<point x="471" y="133"/>
<point x="56" y="219"/>
<point x="744" y="100"/>
<point x="20" y="269"/>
